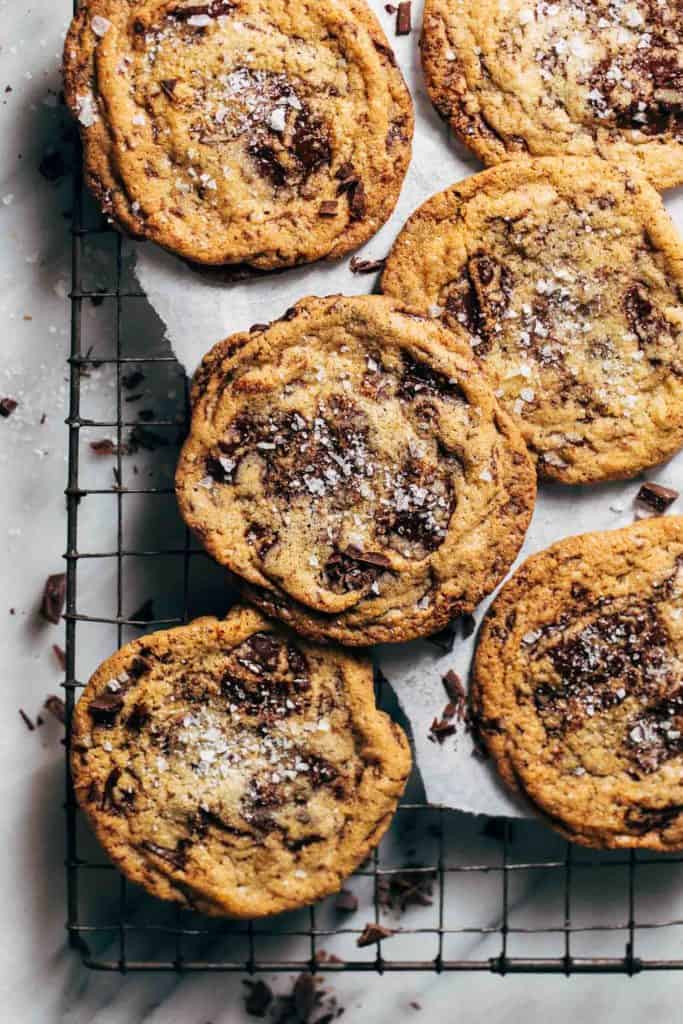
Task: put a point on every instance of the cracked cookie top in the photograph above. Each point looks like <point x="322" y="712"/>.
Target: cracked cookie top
<point x="579" y="685"/>
<point x="350" y="463"/>
<point x="568" y="275"/>
<point x="229" y="767"/>
<point x="240" y="131"/>
<point x="582" y="77"/>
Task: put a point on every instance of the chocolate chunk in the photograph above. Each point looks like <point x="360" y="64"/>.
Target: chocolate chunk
<point x="346" y="902"/>
<point x="60" y="656"/>
<point x="345" y="171"/>
<point x="441" y="729"/>
<point x="304" y="996"/>
<point x="52" y="166"/>
<point x="403" y="19"/>
<point x="214" y="9"/>
<point x="452" y="684"/>
<point x="328" y="208"/>
<point x="657" y="497"/>
<point x="357" y="203"/>
<point x="104" y="710"/>
<point x="138" y="717"/>
<point x="359" y="266"/>
<point x="258" y="998"/>
<point x="373" y="933"/>
<point x="55" y="705"/>
<point x="54" y="596"/>
<point x="7" y="406"/>
<point x="26" y="720"/>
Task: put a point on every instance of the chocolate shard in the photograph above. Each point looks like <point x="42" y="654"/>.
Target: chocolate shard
<point x="54" y="595"/>
<point x="452" y="684"/>
<point x="359" y="266"/>
<point x="328" y="208"/>
<point x="104" y="710"/>
<point x="55" y="705"/>
<point x="258" y="998"/>
<point x="656" y="496"/>
<point x="373" y="933"/>
<point x="304" y="996"/>
<point x="368" y="557"/>
<point x="26" y="720"/>
<point x="403" y="18"/>
<point x="7" y="406"/>
<point x="346" y="901"/>
<point x="440" y="729"/>
<point x="168" y="86"/>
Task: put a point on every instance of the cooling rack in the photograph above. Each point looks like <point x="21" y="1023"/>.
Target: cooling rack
<point x="480" y="895"/>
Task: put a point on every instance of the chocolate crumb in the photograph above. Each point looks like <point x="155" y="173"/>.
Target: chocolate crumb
<point x="328" y="208"/>
<point x="346" y="901"/>
<point x="7" y="406"/>
<point x="656" y="496"/>
<point x="103" y="447"/>
<point x="414" y="1005"/>
<point x="27" y="721"/>
<point x="359" y="266"/>
<point x="390" y="8"/>
<point x="60" y="656"/>
<point x="54" y="596"/>
<point x="258" y="998"/>
<point x="373" y="933"/>
<point x="441" y="729"/>
<point x="403" y="18"/>
<point x="55" y="705"/>
<point x="455" y="691"/>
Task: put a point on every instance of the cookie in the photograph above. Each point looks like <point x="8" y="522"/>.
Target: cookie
<point x="350" y="464"/>
<point x="263" y="132"/>
<point x="579" y="77"/>
<point x="232" y="769"/>
<point x="568" y="274"/>
<point x="578" y="685"/>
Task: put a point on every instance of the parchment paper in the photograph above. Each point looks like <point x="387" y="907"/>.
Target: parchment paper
<point x="198" y="312"/>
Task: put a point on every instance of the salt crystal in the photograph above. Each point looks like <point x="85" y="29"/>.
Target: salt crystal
<point x="199" y="20"/>
<point x="277" y="120"/>
<point x="87" y="110"/>
<point x="100" y="25"/>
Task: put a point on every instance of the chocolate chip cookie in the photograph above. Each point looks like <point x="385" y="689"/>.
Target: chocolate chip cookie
<point x="578" y="685"/>
<point x="350" y="464"/>
<point x="568" y="274"/>
<point x="264" y="132"/>
<point x="583" y="77"/>
<point x="233" y="769"/>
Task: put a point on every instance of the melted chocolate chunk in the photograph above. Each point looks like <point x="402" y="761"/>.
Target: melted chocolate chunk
<point x="418" y="379"/>
<point x="267" y="162"/>
<point x="310" y="144"/>
<point x="104" y="710"/>
<point x="138" y="718"/>
<point x="176" y="858"/>
<point x="345" y="573"/>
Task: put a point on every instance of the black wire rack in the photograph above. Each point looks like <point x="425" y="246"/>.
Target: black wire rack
<point x="493" y="895"/>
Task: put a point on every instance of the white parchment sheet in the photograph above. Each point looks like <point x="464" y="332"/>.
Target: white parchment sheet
<point x="198" y="312"/>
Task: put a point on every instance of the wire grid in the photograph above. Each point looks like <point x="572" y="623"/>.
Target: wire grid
<point x="106" y="925"/>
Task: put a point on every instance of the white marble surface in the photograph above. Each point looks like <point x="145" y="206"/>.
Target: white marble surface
<point x="40" y="979"/>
